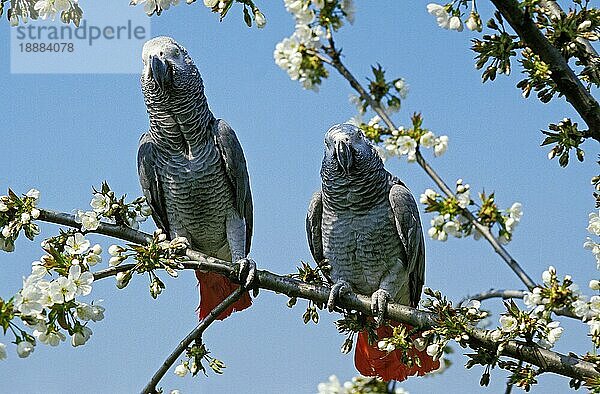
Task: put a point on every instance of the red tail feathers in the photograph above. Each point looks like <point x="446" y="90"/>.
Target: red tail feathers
<point x="370" y="361"/>
<point x="214" y="288"/>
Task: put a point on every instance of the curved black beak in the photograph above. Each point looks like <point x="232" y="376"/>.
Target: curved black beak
<point x="160" y="71"/>
<point x="343" y="154"/>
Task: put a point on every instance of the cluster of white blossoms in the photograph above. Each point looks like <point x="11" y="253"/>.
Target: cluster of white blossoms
<point x="152" y="6"/>
<point x="333" y="386"/>
<point x="289" y="53"/>
<point x="594" y="229"/>
<point x="307" y="39"/>
<point x="445" y="224"/>
<point x="18" y="214"/>
<point x="400" y="143"/>
<point x="165" y="254"/>
<point x="49" y="8"/>
<point x="104" y="204"/>
<point x="450" y="221"/>
<point x="449" y="21"/>
<point x="41" y="294"/>
<point x="549" y="332"/>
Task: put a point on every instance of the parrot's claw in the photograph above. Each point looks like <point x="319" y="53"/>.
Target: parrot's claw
<point x="338" y="289"/>
<point x="247" y="272"/>
<point x="379" y="301"/>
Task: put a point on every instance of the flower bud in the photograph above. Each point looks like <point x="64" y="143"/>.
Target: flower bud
<point x="97" y="249"/>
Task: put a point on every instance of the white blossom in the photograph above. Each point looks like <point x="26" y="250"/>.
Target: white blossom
<point x="88" y="312"/>
<point x="80" y="338"/>
<point x="463" y="199"/>
<point x="33" y="194"/>
<point x="332" y="386"/>
<point x="534" y="298"/>
<point x="427" y="140"/>
<point x="42" y="334"/>
<point x="92" y="259"/>
<point x="211" y="3"/>
<point x="401" y="87"/>
<point x="555" y="332"/>
<point x="89" y="220"/>
<point x="406" y="145"/>
<point x="516" y="211"/>
<point x="455" y="24"/>
<point x="441" y="15"/>
<point x="547" y="275"/>
<point x="452" y="228"/>
<point x="594" y="224"/>
<point x="76" y="244"/>
<point x="260" y="19"/>
<point x="27" y="301"/>
<point x="508" y="323"/>
<point x="473" y="307"/>
<point x="49" y="8"/>
<point x="151" y="6"/>
<point x="25" y="348"/>
<point x="594" y="327"/>
<point x="474" y="22"/>
<point x="434" y="350"/>
<point x="437" y="234"/>
<point x="62" y="290"/>
<point x="440" y="145"/>
<point x="25" y="218"/>
<point x="100" y="203"/>
<point x="81" y="280"/>
<point x="181" y="370"/>
<point x="3" y="207"/>
<point x="427" y="195"/>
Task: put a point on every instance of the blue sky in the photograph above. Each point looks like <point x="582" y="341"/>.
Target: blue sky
<point x="65" y="133"/>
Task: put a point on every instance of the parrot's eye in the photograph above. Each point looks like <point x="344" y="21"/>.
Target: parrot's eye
<point x="176" y="53"/>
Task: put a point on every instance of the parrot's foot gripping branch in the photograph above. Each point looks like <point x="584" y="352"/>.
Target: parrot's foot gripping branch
<point x="379" y="302"/>
<point x="340" y="288"/>
<point x="247" y="272"/>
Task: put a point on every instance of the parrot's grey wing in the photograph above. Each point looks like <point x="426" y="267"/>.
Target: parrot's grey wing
<point x="151" y="183"/>
<point x="313" y="227"/>
<point x="408" y="224"/>
<point x="237" y="172"/>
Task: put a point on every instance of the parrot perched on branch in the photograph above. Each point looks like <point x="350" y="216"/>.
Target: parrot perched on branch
<point x="193" y="171"/>
<point x="365" y="224"/>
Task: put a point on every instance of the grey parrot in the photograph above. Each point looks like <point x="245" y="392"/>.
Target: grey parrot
<point x="365" y="224"/>
<point x="193" y="172"/>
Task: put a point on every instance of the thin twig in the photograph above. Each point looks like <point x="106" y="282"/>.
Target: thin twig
<point x="335" y="61"/>
<point x="195" y="334"/>
<point x="493" y="293"/>
<point x="550" y="361"/>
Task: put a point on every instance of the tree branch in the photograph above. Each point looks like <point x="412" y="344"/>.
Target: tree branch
<point x="195" y="334"/>
<point x="547" y="360"/>
<point x="493" y="293"/>
<point x="564" y="77"/>
<point x="335" y="61"/>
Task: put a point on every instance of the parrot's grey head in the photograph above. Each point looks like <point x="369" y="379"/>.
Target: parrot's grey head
<point x="347" y="151"/>
<point x="167" y="67"/>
